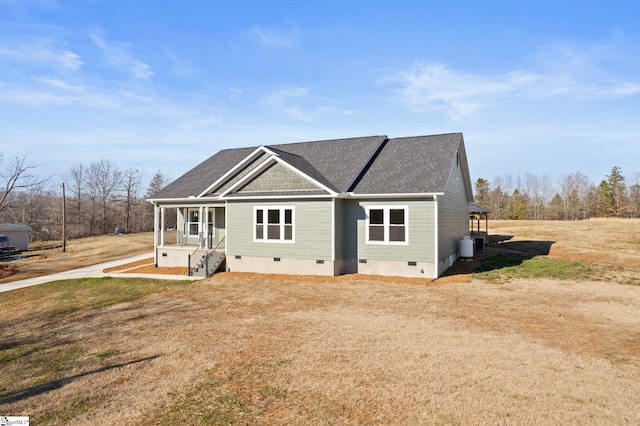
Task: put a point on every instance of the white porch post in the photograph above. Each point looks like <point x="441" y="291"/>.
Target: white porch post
<point x="155" y="234"/>
<point x="200" y="226"/>
<point x="162" y="226"/>
<point x="206" y="225"/>
<point x="177" y="227"/>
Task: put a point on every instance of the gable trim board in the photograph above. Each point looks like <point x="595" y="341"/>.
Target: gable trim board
<point x="222" y="179"/>
<point x="331" y="185"/>
<point x="263" y="167"/>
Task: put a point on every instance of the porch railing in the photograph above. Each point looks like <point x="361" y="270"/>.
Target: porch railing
<point x="208" y="259"/>
<point x="205" y="239"/>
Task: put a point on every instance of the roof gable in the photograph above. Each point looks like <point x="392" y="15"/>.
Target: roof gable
<point x="276" y="177"/>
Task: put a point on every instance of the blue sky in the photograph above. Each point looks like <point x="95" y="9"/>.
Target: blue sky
<point x="547" y="88"/>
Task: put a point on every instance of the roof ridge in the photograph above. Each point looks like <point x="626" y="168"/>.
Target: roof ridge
<point x="330" y="140"/>
<point x="427" y="136"/>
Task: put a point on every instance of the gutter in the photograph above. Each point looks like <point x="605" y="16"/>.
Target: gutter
<point x="399" y="195"/>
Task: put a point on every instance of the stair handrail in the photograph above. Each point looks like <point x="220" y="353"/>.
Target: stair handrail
<point x="206" y="255"/>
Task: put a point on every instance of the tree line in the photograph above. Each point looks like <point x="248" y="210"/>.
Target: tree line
<point x="99" y="198"/>
<point x="572" y="197"/>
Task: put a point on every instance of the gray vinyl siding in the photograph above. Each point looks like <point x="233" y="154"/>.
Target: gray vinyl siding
<point x="277" y="178"/>
<point x="351" y="215"/>
<point x="313" y="230"/>
<point x="339" y="211"/>
<point x="218" y="224"/>
<point x="421" y="234"/>
<point x="453" y="213"/>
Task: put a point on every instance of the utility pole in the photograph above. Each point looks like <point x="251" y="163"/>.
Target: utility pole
<point x="64" y="221"/>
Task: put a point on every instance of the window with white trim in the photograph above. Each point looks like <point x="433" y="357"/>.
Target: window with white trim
<point x="193" y="216"/>
<point x="274" y="224"/>
<point x="193" y="219"/>
<point x="387" y="225"/>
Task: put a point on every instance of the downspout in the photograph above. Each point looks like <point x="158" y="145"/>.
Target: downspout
<point x="333" y="234"/>
<point x="435" y="239"/>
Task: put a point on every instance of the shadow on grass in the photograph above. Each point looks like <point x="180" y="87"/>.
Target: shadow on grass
<point x="500" y="252"/>
<point x="58" y="383"/>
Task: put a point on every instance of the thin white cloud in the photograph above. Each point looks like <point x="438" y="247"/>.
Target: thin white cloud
<point x="117" y="55"/>
<point x="581" y="72"/>
<point x="435" y="87"/>
<point x="41" y="52"/>
<point x="178" y="65"/>
<point x="293" y="102"/>
<point x="274" y="38"/>
<point x="20" y="5"/>
<point x="234" y="93"/>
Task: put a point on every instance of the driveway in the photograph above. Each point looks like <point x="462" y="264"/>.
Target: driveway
<point x="92" y="271"/>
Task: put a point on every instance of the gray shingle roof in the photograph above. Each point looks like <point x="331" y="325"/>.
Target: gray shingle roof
<point x="338" y="160"/>
<point x="418" y="164"/>
<point x="334" y="163"/>
<point x="14" y="227"/>
<point x="196" y="180"/>
<point x="400" y="166"/>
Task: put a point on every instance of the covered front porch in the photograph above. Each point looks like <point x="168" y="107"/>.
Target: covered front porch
<point x="198" y="237"/>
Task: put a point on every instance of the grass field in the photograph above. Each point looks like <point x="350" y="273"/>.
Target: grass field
<point x="534" y="339"/>
<point x="44" y="258"/>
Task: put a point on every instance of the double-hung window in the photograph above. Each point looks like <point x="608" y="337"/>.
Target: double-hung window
<point x="387" y="224"/>
<point x="193" y="216"/>
<point x="275" y="224"/>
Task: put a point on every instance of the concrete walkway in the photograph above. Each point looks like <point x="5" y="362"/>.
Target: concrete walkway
<point x="92" y="271"/>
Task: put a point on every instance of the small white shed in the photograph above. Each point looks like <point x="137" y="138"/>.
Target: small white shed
<point x="18" y="234"/>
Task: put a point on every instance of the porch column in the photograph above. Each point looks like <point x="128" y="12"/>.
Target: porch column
<point x="205" y="218"/>
<point x="200" y="226"/>
<point x="177" y="228"/>
<point x="155" y="234"/>
<point x="162" y="226"/>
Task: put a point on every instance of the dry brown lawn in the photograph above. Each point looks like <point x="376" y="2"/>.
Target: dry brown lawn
<point x="255" y="349"/>
<point x="47" y="257"/>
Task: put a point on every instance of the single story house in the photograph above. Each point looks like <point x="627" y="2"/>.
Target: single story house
<point x="369" y="205"/>
<point x="18" y="234"/>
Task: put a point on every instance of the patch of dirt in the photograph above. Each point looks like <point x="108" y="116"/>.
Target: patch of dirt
<point x="131" y="265"/>
<point x="7" y="269"/>
<point x="152" y="269"/>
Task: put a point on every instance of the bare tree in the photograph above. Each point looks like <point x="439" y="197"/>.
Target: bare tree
<point x="76" y="184"/>
<point x="131" y="181"/>
<point x="103" y="181"/>
<point x="16" y="176"/>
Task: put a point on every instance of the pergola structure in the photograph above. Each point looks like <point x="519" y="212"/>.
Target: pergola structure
<point x="476" y="214"/>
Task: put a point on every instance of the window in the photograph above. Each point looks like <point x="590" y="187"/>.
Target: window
<point x="193" y="219"/>
<point x="192" y="222"/>
<point x="274" y="224"/>
<point x="387" y="224"/>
